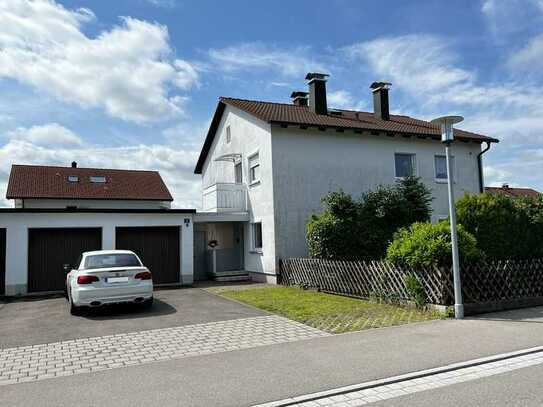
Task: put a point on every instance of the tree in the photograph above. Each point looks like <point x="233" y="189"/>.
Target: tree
<point x="362" y="229"/>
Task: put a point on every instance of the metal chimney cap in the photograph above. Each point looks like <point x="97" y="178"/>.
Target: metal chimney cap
<point x="312" y="76"/>
<point x="445" y="120"/>
<point x="375" y="86"/>
<point x="299" y="94"/>
<point x="74" y="164"/>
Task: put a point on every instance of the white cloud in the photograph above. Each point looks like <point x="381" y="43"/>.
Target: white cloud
<point x="509" y="16"/>
<point x="343" y="99"/>
<point x="293" y="62"/>
<point x="530" y="57"/>
<point x="51" y="134"/>
<point x="175" y="164"/>
<point x="129" y="70"/>
<point x="162" y="3"/>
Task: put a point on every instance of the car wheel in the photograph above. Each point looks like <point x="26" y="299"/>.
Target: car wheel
<point x="74" y="309"/>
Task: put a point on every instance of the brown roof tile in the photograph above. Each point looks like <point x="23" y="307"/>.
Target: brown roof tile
<point x="33" y="181"/>
<point x="282" y="113"/>
<point x="513" y="192"/>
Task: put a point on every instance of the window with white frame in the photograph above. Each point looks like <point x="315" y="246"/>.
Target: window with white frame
<point x="441" y="167"/>
<point x="257" y="236"/>
<point x="254" y="169"/>
<point x="404" y="165"/>
<point x="228" y="135"/>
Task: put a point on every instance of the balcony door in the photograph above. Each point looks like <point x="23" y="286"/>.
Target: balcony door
<point x="238" y="173"/>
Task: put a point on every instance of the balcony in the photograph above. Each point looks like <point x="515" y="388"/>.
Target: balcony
<point x="225" y="197"/>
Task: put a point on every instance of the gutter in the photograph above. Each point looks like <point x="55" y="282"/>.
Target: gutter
<point x="480" y="165"/>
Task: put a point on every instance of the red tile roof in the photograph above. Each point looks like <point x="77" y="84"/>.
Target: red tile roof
<point x="33" y="181"/>
<point x="290" y="114"/>
<point x="513" y="192"/>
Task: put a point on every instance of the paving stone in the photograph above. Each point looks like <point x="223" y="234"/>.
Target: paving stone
<point x="78" y="356"/>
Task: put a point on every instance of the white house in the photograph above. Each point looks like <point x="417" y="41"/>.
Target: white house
<point x="265" y="167"/>
<point x="60" y="212"/>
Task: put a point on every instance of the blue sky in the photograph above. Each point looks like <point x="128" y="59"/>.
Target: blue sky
<point x="133" y="83"/>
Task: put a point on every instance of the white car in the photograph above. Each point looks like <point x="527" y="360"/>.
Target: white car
<point x="108" y="277"/>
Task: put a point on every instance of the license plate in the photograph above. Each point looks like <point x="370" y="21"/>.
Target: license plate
<point x="117" y="279"/>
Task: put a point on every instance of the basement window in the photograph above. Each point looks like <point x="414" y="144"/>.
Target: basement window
<point x="73" y="178"/>
<point x="97" y="179"/>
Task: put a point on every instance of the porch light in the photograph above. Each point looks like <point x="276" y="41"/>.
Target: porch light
<point x="447" y="136"/>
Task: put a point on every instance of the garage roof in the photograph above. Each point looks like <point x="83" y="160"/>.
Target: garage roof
<point x="48" y="182"/>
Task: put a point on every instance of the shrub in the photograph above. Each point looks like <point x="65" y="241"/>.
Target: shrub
<point x="426" y="244"/>
<point x="415" y="290"/>
<point x="349" y="229"/>
<point x="505" y="228"/>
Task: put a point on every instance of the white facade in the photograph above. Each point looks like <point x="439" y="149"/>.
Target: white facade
<point x="17" y="225"/>
<point x="91" y="203"/>
<point x="248" y="137"/>
<point x="298" y="167"/>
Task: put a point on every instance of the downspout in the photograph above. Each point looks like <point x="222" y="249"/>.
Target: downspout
<point x="480" y="164"/>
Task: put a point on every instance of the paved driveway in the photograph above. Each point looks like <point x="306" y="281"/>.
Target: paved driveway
<point x="31" y="322"/>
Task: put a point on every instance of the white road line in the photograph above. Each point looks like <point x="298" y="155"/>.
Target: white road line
<point x="45" y="361"/>
<point x="397" y="386"/>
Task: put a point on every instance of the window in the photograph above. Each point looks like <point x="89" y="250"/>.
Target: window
<point x="100" y="261"/>
<point x="257" y="236"/>
<point x="73" y="178"/>
<point x="228" y="135"/>
<point x="405" y="165"/>
<point x="441" y="167"/>
<point x="98" y="179"/>
<point x="238" y="173"/>
<point x="254" y="169"/>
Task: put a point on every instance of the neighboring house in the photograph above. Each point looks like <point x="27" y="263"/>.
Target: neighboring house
<point x="265" y="167"/>
<point x="506" y="190"/>
<point x="62" y="211"/>
<point x="34" y="186"/>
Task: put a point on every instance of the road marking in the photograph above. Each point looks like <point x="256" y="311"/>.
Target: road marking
<point x="398" y="386"/>
<point x="45" y="361"/>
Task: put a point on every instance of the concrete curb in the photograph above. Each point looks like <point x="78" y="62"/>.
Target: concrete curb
<point x="396" y="379"/>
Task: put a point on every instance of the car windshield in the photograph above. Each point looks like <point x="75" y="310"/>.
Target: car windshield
<point x="100" y="261"/>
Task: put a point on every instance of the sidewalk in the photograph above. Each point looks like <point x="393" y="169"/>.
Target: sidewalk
<point x="259" y="375"/>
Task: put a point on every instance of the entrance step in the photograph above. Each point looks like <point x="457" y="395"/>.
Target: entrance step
<point x="234" y="275"/>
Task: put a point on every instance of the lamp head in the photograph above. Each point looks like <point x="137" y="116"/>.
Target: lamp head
<point x="446" y="124"/>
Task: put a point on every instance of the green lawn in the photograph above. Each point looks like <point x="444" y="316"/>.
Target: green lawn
<point x="331" y="313"/>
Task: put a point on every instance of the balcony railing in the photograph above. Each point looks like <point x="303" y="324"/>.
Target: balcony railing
<point x="225" y="197"/>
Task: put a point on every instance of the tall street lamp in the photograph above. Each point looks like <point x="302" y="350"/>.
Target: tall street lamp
<point x="447" y="137"/>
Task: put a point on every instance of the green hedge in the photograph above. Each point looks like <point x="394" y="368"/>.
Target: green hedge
<point x="361" y="229"/>
<point x="426" y="244"/>
<point x="505" y="228"/>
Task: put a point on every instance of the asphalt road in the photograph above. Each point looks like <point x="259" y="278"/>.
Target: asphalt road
<point x="520" y="388"/>
<point x="258" y="375"/>
<point x="35" y="321"/>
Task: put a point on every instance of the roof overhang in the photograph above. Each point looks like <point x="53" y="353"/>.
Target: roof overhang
<point x="209" y="137"/>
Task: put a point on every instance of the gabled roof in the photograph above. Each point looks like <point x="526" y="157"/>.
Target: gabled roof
<point x="47" y="182"/>
<point x="513" y="192"/>
<point x="290" y="114"/>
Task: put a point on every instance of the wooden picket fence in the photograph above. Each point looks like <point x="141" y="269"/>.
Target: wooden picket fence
<point x="481" y="283"/>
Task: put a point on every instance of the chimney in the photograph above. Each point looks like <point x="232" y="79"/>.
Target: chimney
<point x="380" y="100"/>
<point x="317" y="92"/>
<point x="299" y="98"/>
<point x="505" y="186"/>
<point x="74" y="164"/>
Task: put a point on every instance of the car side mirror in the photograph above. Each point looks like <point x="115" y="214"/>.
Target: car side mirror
<point x="67" y="268"/>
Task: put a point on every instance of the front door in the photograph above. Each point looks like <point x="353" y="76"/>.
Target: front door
<point x="238" y="244"/>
